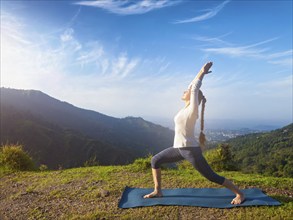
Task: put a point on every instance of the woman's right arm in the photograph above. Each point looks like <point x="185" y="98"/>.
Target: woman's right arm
<point x="204" y="70"/>
<point x="195" y="85"/>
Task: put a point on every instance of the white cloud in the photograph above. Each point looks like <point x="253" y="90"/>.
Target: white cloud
<point x="283" y="58"/>
<point x="213" y="40"/>
<point x="246" y="100"/>
<point x="114" y="84"/>
<point x="251" y="51"/>
<point x="281" y="54"/>
<point x="128" y="7"/>
<point x="129" y="67"/>
<point x="91" y="54"/>
<point x="279" y="86"/>
<point x="67" y="35"/>
<point x="87" y="75"/>
<point x="122" y="66"/>
<point x="236" y="51"/>
<point x="284" y="62"/>
<point x="210" y="14"/>
<point x="12" y="28"/>
<point x="67" y="42"/>
<point x="23" y="64"/>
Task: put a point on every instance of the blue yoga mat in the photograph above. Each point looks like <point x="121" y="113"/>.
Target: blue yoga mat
<point x="203" y="197"/>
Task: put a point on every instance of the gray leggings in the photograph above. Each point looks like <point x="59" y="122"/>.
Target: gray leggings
<point x="193" y="155"/>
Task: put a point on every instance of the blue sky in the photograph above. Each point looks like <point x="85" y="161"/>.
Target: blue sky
<point x="135" y="58"/>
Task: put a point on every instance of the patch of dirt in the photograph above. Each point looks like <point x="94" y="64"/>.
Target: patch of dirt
<point x="274" y="191"/>
<point x="53" y="202"/>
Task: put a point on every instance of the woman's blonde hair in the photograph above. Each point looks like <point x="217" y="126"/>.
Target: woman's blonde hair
<point x="202" y="137"/>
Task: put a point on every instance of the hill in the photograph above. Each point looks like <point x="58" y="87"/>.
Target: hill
<point x="94" y="192"/>
<point x="265" y="153"/>
<point x="57" y="133"/>
<point x="54" y="146"/>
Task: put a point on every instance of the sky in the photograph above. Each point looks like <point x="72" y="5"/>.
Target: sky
<point x="135" y="58"/>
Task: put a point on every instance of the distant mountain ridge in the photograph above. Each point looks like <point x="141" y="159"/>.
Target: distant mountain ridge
<point x="30" y="110"/>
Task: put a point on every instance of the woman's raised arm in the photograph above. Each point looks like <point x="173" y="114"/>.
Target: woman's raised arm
<point x="195" y="85"/>
<point x="204" y="70"/>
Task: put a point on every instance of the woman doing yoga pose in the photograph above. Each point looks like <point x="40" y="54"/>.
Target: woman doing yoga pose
<point x="185" y="145"/>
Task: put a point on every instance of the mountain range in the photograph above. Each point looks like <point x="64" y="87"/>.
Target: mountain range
<point x="59" y="134"/>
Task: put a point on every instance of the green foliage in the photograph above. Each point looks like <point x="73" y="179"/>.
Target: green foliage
<point x="15" y="158"/>
<point x="55" y="146"/>
<point x="4" y="171"/>
<point x="213" y="158"/>
<point x="184" y="165"/>
<point x="142" y="164"/>
<point x="43" y="167"/>
<point x="221" y="158"/>
<point x="267" y="153"/>
<point x="91" y="162"/>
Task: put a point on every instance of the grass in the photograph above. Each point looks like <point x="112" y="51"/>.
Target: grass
<point x="77" y="194"/>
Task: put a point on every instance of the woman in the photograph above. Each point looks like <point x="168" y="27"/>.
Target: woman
<point x="185" y="145"/>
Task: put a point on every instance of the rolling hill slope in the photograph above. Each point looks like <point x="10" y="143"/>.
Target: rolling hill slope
<point x="266" y="153"/>
<point x="50" y="129"/>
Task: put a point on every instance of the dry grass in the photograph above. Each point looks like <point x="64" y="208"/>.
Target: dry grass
<point x="94" y="192"/>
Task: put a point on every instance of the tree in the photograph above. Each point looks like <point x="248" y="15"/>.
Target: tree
<point x="221" y="158"/>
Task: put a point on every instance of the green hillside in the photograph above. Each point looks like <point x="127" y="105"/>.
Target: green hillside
<point x="94" y="192"/>
<point x="55" y="146"/>
<point x="267" y="153"/>
<point x="57" y="133"/>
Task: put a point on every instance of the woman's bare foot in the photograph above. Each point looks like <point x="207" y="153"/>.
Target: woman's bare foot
<point x="153" y="195"/>
<point x="238" y="199"/>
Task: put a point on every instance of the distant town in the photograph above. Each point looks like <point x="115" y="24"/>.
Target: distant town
<point x="222" y="130"/>
<point x="219" y="135"/>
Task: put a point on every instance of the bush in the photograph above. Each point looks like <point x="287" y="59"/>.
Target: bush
<point x="221" y="158"/>
<point x="142" y="164"/>
<point x="15" y="158"/>
<point x="43" y="167"/>
<point x="184" y="165"/>
<point x="214" y="159"/>
<point x="91" y="162"/>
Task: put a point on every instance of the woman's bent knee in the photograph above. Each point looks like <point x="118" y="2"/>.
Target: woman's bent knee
<point x="155" y="162"/>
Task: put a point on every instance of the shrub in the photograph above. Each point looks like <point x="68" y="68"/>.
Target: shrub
<point x="221" y="158"/>
<point x="184" y="165"/>
<point x="142" y="164"/>
<point x="91" y="162"/>
<point x="15" y="158"/>
<point x="43" y="167"/>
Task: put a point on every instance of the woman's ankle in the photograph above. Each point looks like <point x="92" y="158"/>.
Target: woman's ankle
<point x="157" y="189"/>
<point x="240" y="194"/>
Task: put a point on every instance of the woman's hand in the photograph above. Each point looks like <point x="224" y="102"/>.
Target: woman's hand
<point x="205" y="69"/>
